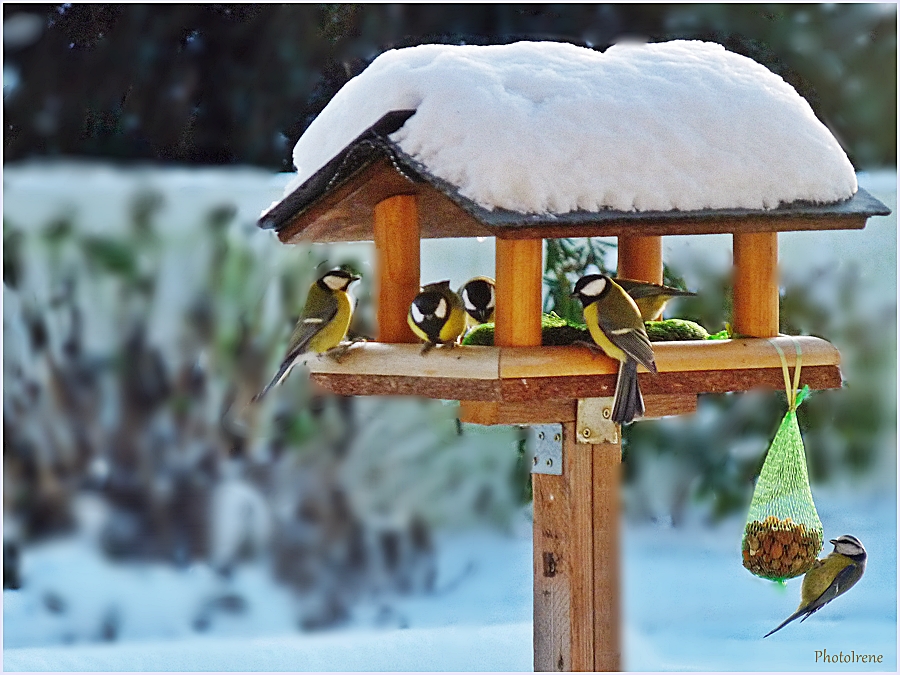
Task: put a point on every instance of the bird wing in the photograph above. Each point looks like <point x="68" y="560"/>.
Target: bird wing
<point x="310" y="323"/>
<point x="645" y="289"/>
<point x="841" y="583"/>
<point x="632" y="340"/>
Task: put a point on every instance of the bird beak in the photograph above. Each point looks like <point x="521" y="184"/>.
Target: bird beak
<point x="573" y="294"/>
<point x="354" y="278"/>
<point x="832" y="541"/>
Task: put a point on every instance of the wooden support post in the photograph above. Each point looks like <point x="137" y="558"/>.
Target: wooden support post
<point x="607" y="579"/>
<point x="576" y="560"/>
<point x="756" y="284"/>
<point x="397" y="261"/>
<point x="520" y="273"/>
<point x="640" y="258"/>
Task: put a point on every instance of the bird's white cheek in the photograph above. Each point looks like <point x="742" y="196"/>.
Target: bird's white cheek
<point x="594" y="288"/>
<point x="416" y="314"/>
<point x="441" y="311"/>
<point x="467" y="302"/>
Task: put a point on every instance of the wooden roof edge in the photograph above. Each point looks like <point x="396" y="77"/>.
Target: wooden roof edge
<point x="337" y="170"/>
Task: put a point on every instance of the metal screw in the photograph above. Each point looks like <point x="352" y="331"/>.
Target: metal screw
<point x="586" y="432"/>
<point x="607" y="413"/>
<point x="557" y="438"/>
<point x="534" y="460"/>
<point x="549" y="462"/>
<point x="541" y="435"/>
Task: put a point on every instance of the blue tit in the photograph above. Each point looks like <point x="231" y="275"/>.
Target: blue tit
<point x="322" y="324"/>
<point x="478" y="298"/>
<point x="615" y="323"/>
<point x="829" y="577"/>
<point x="650" y="298"/>
<point x="436" y="315"/>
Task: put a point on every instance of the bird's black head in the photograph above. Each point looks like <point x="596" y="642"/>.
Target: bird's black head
<point x="478" y="298"/>
<point x="591" y="288"/>
<point x="336" y="280"/>
<point x="429" y="311"/>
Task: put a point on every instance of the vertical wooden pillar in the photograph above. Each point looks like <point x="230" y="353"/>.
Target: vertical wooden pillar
<point x="607" y="460"/>
<point x="756" y="284"/>
<point x="640" y="258"/>
<point x="520" y="273"/>
<point x="397" y="258"/>
<point x="576" y="560"/>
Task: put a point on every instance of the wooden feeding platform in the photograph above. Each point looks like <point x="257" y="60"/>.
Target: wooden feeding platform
<point x="373" y="191"/>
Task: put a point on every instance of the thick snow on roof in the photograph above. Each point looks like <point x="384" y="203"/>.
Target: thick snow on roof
<point x="547" y="127"/>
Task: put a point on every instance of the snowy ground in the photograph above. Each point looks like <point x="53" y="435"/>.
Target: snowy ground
<point x="688" y="605"/>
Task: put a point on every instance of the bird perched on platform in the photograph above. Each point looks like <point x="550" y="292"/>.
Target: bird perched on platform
<point x="615" y="324"/>
<point x="478" y="298"/>
<point x="322" y="324"/>
<point x="650" y="298"/>
<point x="436" y="315"/>
<point x="829" y="577"/>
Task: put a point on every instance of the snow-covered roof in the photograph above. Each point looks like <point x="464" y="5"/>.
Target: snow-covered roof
<point x="541" y="130"/>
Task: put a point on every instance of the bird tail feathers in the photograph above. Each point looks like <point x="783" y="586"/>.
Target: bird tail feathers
<point x="628" y="402"/>
<point x="279" y="376"/>
<point x="792" y="617"/>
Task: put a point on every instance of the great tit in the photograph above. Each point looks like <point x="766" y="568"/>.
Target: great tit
<point x="477" y="295"/>
<point x="650" y="298"/>
<point x="830" y="577"/>
<point x="615" y="323"/>
<point x="322" y="324"/>
<point x="436" y="315"/>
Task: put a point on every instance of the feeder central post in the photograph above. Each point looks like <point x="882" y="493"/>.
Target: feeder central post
<point x="756" y="284"/>
<point x="640" y="258"/>
<point x="577" y="611"/>
<point x="397" y="260"/>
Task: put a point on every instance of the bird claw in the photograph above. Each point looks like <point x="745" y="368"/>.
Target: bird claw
<point x="595" y="349"/>
<point x="338" y="353"/>
<point x="427" y="347"/>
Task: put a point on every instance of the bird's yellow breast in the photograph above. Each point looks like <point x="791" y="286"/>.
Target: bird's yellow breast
<point x="591" y="318"/>
<point x="334" y="331"/>
<point x="455" y="325"/>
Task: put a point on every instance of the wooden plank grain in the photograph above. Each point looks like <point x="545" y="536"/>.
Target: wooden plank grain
<point x="688" y="355"/>
<point x="606" y="561"/>
<point x="563" y="563"/>
<point x="674" y="383"/>
<point x="580" y="562"/>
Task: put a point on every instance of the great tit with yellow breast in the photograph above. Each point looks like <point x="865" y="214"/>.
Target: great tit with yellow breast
<point x="436" y="315"/>
<point x="829" y="577"/>
<point x="477" y="295"/>
<point x="615" y="323"/>
<point x="322" y="324"/>
<point x="650" y="298"/>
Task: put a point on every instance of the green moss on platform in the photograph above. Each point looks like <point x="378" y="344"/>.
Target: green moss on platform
<point x="556" y="331"/>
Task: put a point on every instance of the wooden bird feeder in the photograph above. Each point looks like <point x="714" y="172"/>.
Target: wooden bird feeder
<point x="373" y="191"/>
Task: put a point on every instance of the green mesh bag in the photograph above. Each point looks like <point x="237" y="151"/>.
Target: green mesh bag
<point x="783" y="535"/>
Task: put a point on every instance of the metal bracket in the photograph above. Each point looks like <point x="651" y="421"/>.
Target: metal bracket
<point x="545" y="446"/>
<point x="593" y="421"/>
